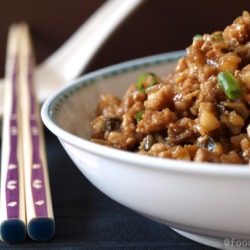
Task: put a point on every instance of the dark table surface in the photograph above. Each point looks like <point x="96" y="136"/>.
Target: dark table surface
<point x="87" y="219"/>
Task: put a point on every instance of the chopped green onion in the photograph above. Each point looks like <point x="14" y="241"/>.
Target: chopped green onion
<point x="230" y="85"/>
<point x="138" y="116"/>
<point x="218" y="37"/>
<point x="197" y="37"/>
<point x="141" y="79"/>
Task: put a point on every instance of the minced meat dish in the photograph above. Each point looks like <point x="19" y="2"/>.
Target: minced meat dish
<point x="199" y="112"/>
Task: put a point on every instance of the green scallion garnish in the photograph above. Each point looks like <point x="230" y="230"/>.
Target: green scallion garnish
<point x="138" y="116"/>
<point x="218" y="37"/>
<point x="197" y="37"/>
<point x="230" y="85"/>
<point x="143" y="78"/>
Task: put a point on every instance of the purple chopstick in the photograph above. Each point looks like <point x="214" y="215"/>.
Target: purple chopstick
<point x="26" y="205"/>
<point x="12" y="214"/>
<point x="39" y="212"/>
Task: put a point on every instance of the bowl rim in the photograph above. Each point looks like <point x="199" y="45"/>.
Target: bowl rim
<point x="48" y="108"/>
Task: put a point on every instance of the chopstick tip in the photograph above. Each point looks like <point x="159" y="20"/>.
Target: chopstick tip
<point x="13" y="231"/>
<point x="41" y="229"/>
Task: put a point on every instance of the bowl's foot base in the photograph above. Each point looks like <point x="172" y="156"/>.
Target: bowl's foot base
<point x="226" y="244"/>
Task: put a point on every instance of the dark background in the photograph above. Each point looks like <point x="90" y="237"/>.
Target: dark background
<point x="157" y="26"/>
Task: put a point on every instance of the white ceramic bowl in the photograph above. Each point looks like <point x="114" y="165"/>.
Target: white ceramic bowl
<point x="203" y="201"/>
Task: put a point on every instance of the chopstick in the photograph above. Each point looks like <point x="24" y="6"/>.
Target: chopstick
<point x="12" y="214"/>
<point x="39" y="211"/>
<point x="31" y="183"/>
